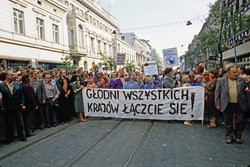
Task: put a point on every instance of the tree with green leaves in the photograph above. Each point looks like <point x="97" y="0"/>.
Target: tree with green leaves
<point x="107" y="63"/>
<point x="158" y="60"/>
<point x="129" y="66"/>
<point x="213" y="40"/>
<point x="67" y="63"/>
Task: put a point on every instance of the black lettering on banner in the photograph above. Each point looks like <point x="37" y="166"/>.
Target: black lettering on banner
<point x="127" y="95"/>
<point x="147" y="94"/>
<point x="100" y="108"/>
<point x="150" y="113"/>
<point x="88" y="94"/>
<point x="159" y="109"/>
<point x="109" y="107"/>
<point x="99" y="91"/>
<point x="183" y="105"/>
<point x="153" y="93"/>
<point x="94" y="94"/>
<point x="115" y="109"/>
<point x="184" y="93"/>
<point x="165" y="94"/>
<point x="90" y="107"/>
<point x="95" y="107"/>
<point x="173" y="111"/>
<point x="106" y="94"/>
<point x="140" y="96"/>
<point x="125" y="108"/>
<point x="135" y="96"/>
<point x="159" y="94"/>
<point x="144" y="106"/>
<point x="114" y="95"/>
<point x="175" y="96"/>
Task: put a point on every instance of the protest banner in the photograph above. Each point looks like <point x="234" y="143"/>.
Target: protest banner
<point x="157" y="104"/>
<point x="170" y="57"/>
<point x="120" y="59"/>
<point x="150" y="70"/>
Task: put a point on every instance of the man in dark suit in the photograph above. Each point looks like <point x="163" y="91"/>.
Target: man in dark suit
<point x="12" y="106"/>
<point x="231" y="100"/>
<point x="30" y="104"/>
<point x="39" y="90"/>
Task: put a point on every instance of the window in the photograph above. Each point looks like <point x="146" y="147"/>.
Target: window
<point x="105" y="48"/>
<point x="18" y="21"/>
<point x="72" y="38"/>
<point x="93" y="45"/>
<point x="55" y="33"/>
<point x="99" y="47"/>
<point x="40" y="28"/>
<point x="81" y="37"/>
<point x="237" y="5"/>
<point x="119" y="48"/>
<point x="110" y="50"/>
<point x="244" y="2"/>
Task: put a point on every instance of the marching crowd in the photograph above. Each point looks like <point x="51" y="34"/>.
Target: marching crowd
<point x="33" y="99"/>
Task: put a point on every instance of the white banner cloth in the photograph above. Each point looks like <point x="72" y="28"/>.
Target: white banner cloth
<point x="157" y="104"/>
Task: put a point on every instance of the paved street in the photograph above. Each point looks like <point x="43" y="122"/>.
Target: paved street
<point x="131" y="143"/>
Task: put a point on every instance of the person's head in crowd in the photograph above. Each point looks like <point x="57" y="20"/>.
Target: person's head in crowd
<point x="232" y="72"/>
<point x="178" y="76"/>
<point x="34" y="74"/>
<point x="168" y="72"/>
<point x="43" y="75"/>
<point x="242" y="72"/>
<point x="47" y="78"/>
<point x="221" y="72"/>
<point x="26" y="78"/>
<point x="132" y="76"/>
<point x="85" y="74"/>
<point x="248" y="77"/>
<point x="213" y="73"/>
<point x="148" y="80"/>
<point x="75" y="78"/>
<point x="29" y="66"/>
<point x="3" y="76"/>
<point x="63" y="73"/>
<point x="19" y="69"/>
<point x="185" y="79"/>
<point x="19" y="76"/>
<point x="205" y="76"/>
<point x="198" y="78"/>
<point x="113" y="75"/>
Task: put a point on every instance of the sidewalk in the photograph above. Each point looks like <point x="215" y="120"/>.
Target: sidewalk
<point x="17" y="145"/>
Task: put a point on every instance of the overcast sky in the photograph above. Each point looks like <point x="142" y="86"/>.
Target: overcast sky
<point x="141" y="13"/>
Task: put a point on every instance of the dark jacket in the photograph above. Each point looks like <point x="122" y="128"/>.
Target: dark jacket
<point x="39" y="90"/>
<point x="59" y="84"/>
<point x="11" y="102"/>
<point x="222" y="97"/>
<point x="29" y="96"/>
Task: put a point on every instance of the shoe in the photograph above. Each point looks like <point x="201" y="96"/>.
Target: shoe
<point x="31" y="134"/>
<point x="41" y="128"/>
<point x="229" y="140"/>
<point x="24" y="139"/>
<point x="238" y="141"/>
<point x="211" y="125"/>
<point x="54" y="125"/>
<point x="48" y="126"/>
<point x="8" y="141"/>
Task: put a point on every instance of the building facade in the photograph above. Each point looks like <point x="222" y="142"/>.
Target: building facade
<point x="235" y="38"/>
<point x="90" y="30"/>
<point x="43" y="32"/>
<point x="143" y="48"/>
<point x="33" y="32"/>
<point x="238" y="43"/>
